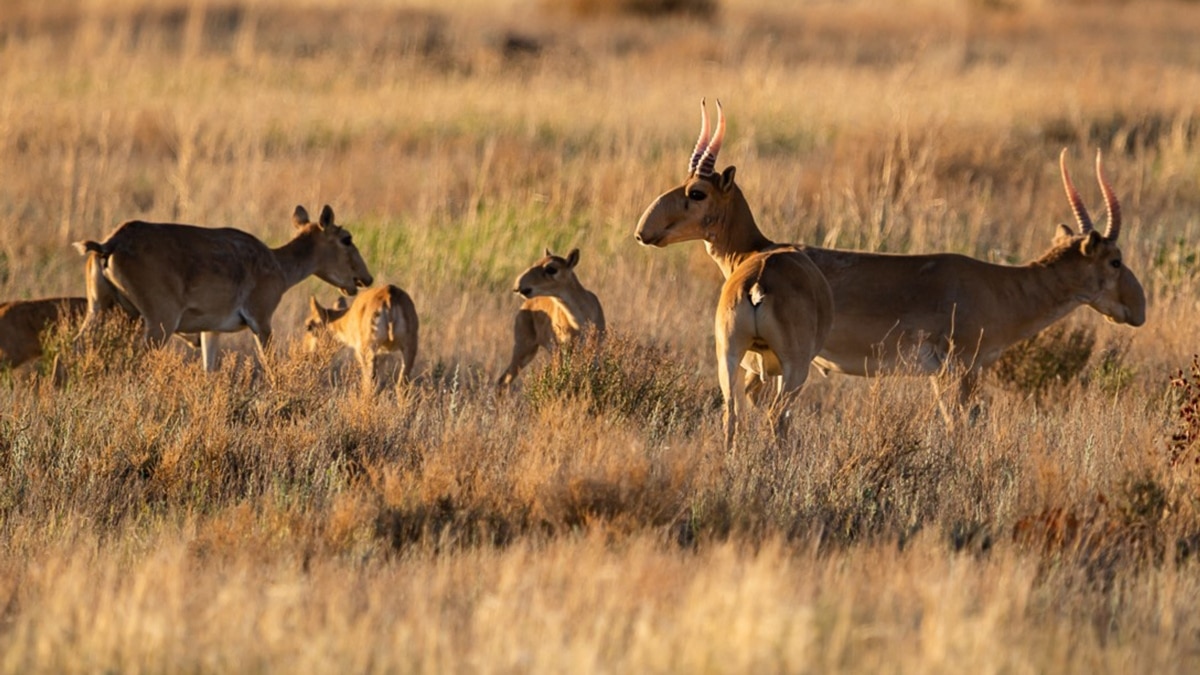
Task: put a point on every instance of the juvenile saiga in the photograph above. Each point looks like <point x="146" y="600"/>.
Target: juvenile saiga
<point x="557" y="311"/>
<point x="381" y="323"/>
<point x="23" y="323"/>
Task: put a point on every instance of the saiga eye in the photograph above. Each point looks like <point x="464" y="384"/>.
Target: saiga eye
<point x="697" y="195"/>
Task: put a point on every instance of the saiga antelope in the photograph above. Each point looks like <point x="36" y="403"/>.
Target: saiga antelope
<point x="775" y="308"/>
<point x="944" y="312"/>
<point x="103" y="296"/>
<point x="183" y="278"/>
<point x="22" y="323"/>
<point x="947" y="312"/>
<point x="556" y="311"/>
<point x="380" y="321"/>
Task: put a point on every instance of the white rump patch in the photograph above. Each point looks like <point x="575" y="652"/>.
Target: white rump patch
<point x="757" y="295"/>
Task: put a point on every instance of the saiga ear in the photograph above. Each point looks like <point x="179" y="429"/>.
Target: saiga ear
<point x="548" y="253"/>
<point x="1088" y="247"/>
<point x="300" y="217"/>
<point x="726" y="182"/>
<point x="573" y="258"/>
<point x="1063" y="233"/>
<point x="326" y="217"/>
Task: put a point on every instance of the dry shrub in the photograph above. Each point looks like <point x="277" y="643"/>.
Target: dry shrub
<point x="1186" y="437"/>
<point x="1109" y="537"/>
<point x="885" y="492"/>
<point x="700" y="9"/>
<point x="619" y="498"/>
<point x="1053" y="358"/>
<point x="1137" y="526"/>
<point x="1056" y="358"/>
<point x="621" y="376"/>
<point x="112" y="344"/>
<point x="459" y="517"/>
<point x="447" y="526"/>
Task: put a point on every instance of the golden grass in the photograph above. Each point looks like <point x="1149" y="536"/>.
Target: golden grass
<point x="155" y="518"/>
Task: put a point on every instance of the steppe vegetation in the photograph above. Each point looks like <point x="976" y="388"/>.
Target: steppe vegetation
<point x="154" y="517"/>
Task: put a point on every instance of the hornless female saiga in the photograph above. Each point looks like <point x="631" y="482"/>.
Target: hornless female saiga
<point x="183" y="278"/>
<point x="557" y="310"/>
<point x="22" y="323"/>
<point x="775" y="309"/>
<point x="381" y="321"/>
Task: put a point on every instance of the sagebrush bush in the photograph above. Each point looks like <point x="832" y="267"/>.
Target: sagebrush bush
<point x="1053" y="358"/>
<point x="703" y="9"/>
<point x="1183" y="443"/>
<point x="110" y="345"/>
<point x="638" y="382"/>
<point x="1112" y="372"/>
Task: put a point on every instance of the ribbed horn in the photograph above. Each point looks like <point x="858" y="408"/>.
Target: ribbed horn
<point x="1081" y="214"/>
<point x="702" y="143"/>
<point x="709" y="160"/>
<point x="1110" y="201"/>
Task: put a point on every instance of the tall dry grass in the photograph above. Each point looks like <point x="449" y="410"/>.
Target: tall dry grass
<point x="153" y="517"/>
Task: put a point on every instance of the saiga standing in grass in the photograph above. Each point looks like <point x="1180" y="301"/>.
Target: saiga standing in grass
<point x="558" y="309"/>
<point x="22" y="323"/>
<point x="183" y="278"/>
<point x="381" y="321"/>
<point x="775" y="309"/>
<point x="945" y="313"/>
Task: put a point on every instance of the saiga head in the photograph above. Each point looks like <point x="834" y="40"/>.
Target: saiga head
<point x="319" y="318"/>
<point x="338" y="261"/>
<point x="1109" y="286"/>
<point x="548" y="275"/>
<point x="697" y="208"/>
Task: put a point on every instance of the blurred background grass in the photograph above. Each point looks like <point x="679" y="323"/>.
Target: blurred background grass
<point x="154" y="516"/>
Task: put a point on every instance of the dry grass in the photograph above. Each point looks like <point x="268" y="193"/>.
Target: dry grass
<point x="155" y="518"/>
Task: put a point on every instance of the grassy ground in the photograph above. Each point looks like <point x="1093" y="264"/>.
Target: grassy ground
<point x="155" y="518"/>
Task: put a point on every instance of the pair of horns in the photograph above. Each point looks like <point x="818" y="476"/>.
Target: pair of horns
<point x="1081" y="214"/>
<point x="704" y="160"/>
<point x="704" y="157"/>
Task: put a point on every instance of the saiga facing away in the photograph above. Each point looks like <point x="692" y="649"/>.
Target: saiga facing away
<point x="380" y="321"/>
<point x="557" y="310"/>
<point x="183" y="278"/>
<point x="775" y="309"/>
